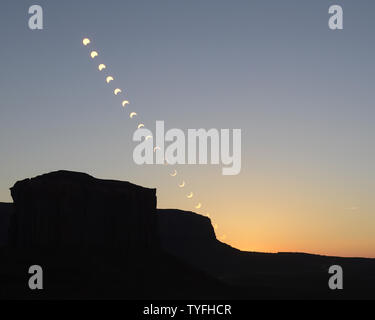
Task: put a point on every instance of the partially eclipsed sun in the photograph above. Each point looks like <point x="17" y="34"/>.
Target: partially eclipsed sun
<point x="101" y="66"/>
<point x="109" y="79"/>
<point x="182" y="184"/>
<point x="86" y="41"/>
<point x="174" y="173"/>
<point x="93" y="54"/>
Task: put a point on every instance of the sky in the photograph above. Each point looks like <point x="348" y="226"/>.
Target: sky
<point x="302" y="94"/>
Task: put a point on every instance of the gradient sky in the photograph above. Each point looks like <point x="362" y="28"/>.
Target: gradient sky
<point x="302" y="94"/>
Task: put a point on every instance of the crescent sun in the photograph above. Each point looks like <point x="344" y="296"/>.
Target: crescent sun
<point x="174" y="173"/>
<point x="93" y="54"/>
<point x="86" y="41"/>
<point x="109" y="79"/>
<point x="182" y="184"/>
<point x="101" y="66"/>
<point x="117" y="91"/>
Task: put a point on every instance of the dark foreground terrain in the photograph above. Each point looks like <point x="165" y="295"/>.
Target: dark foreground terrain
<point x="104" y="239"/>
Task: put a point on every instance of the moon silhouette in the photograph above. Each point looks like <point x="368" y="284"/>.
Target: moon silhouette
<point x="198" y="206"/>
<point x="117" y="91"/>
<point x="109" y="79"/>
<point x="190" y="195"/>
<point x="174" y="173"/>
<point x="101" y="66"/>
<point x="141" y="125"/>
<point x="182" y="184"/>
<point x="86" y="41"/>
<point x="124" y="103"/>
<point x="132" y="115"/>
<point x="93" y="54"/>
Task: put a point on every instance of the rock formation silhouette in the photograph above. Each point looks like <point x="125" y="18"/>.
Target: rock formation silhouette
<point x="96" y="238"/>
<point x="106" y="239"/>
<point x="6" y="210"/>
<point x="191" y="237"/>
<point x="68" y="209"/>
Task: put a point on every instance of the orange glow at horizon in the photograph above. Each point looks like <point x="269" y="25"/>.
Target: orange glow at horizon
<point x="279" y="214"/>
